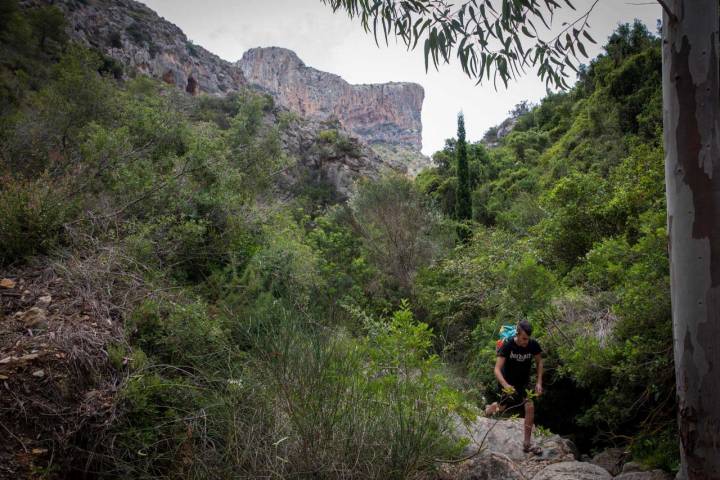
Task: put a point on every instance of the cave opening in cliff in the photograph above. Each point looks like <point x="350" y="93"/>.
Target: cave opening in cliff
<point x="192" y="86"/>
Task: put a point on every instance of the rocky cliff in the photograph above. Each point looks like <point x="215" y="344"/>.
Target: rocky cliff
<point x="146" y="43"/>
<point x="387" y="113"/>
<point x="384" y="116"/>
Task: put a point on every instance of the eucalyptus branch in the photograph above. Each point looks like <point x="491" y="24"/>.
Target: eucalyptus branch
<point x="487" y="41"/>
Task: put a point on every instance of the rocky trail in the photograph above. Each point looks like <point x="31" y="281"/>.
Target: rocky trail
<point x="495" y="452"/>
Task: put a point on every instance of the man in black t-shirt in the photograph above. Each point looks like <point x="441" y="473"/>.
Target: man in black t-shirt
<point x="512" y="370"/>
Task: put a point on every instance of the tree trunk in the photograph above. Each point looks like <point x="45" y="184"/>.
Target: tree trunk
<point x="691" y="115"/>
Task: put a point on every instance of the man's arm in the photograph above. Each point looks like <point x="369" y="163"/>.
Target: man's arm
<point x="499" y="363"/>
<point x="539" y="363"/>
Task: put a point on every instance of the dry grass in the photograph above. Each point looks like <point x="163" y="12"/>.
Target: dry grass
<point x="58" y="385"/>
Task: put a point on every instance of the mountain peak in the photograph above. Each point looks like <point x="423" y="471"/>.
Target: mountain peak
<point x="272" y="54"/>
<point x="387" y="113"/>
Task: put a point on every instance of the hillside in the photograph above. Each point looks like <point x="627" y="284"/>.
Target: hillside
<point x="570" y="232"/>
<point x="139" y="42"/>
<point x="212" y="286"/>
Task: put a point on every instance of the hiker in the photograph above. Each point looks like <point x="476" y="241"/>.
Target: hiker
<point x="512" y="370"/>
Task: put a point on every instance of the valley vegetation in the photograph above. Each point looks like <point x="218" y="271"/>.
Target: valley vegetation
<point x="243" y="331"/>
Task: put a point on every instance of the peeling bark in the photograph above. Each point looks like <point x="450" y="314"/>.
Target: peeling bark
<point x="691" y="115"/>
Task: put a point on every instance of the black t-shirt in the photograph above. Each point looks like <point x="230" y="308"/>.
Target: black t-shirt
<point x="517" y="360"/>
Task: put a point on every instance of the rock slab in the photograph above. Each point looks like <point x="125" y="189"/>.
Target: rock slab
<point x="649" y="475"/>
<point x="495" y="451"/>
<point x="505" y="436"/>
<point x="572" y="471"/>
<point x="611" y="460"/>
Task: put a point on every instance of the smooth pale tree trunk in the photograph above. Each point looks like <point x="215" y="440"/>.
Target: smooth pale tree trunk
<point x="691" y="115"/>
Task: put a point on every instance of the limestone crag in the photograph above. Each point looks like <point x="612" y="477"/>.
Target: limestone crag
<point x="318" y="162"/>
<point x="385" y="118"/>
<point x="146" y="43"/>
<point x="387" y="113"/>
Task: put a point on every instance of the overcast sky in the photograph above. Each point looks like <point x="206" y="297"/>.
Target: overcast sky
<point x="334" y="43"/>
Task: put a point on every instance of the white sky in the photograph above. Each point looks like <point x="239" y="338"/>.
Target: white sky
<point x="334" y="43"/>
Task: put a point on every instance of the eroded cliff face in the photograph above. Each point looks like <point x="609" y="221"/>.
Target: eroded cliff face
<point x="384" y="117"/>
<point x="325" y="156"/>
<point x="146" y="43"/>
<point x="387" y="113"/>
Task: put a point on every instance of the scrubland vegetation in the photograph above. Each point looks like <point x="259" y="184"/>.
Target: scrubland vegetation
<point x="259" y="337"/>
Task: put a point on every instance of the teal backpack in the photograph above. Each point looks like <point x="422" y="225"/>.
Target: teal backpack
<point x="506" y="332"/>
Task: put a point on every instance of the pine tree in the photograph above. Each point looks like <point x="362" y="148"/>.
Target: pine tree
<point x="463" y="207"/>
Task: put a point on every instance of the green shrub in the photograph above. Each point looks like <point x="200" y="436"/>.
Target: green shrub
<point x="285" y="268"/>
<point x="351" y="279"/>
<point x="334" y="143"/>
<point x="331" y="387"/>
<point x="48" y="23"/>
<point x="400" y="229"/>
<point x="192" y="48"/>
<point x="45" y="134"/>
<point x="575" y="219"/>
<point x="32" y="214"/>
<point x="254" y="143"/>
<point x="178" y="334"/>
<point x="138" y="34"/>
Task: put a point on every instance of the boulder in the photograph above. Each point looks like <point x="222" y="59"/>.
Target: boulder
<point x="572" y="471"/>
<point x="505" y="437"/>
<point x="611" y="460"/>
<point x="495" y="451"/>
<point x="486" y="466"/>
<point x="648" y="475"/>
<point x="633" y="467"/>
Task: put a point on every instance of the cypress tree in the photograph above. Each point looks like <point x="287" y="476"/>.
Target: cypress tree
<point x="463" y="206"/>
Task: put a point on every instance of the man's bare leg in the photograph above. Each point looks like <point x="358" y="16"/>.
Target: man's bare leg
<point x="493" y="409"/>
<point x="529" y="423"/>
<point x="529" y="420"/>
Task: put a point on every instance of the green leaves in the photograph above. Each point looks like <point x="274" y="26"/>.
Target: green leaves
<point x="587" y="35"/>
<point x="488" y="42"/>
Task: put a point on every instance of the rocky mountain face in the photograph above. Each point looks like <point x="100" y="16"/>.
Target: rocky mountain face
<point x="386" y="113"/>
<point x="324" y="156"/>
<point x="385" y="117"/>
<point x="145" y="43"/>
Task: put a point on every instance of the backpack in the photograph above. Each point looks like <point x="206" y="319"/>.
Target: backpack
<point x="506" y="332"/>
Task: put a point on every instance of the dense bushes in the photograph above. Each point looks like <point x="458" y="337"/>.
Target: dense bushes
<point x="270" y="338"/>
<point x="32" y="216"/>
<point x="275" y="394"/>
<point x="400" y="229"/>
<point x="257" y="338"/>
<point x="573" y="206"/>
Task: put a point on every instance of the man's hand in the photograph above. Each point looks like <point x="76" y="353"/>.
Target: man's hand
<point x="538" y="389"/>
<point x="509" y="389"/>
